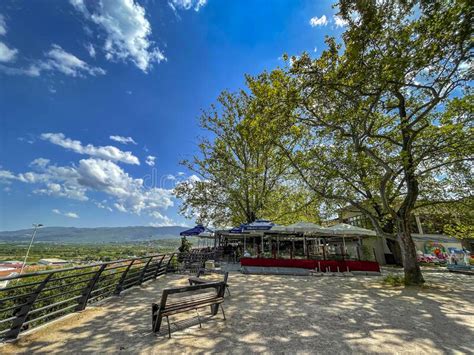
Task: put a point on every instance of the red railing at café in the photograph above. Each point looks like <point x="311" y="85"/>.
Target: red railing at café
<point x="321" y="265"/>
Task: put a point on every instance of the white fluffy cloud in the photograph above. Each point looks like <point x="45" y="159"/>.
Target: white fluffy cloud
<point x="32" y="70"/>
<point x="318" y="21"/>
<point x="7" y="54"/>
<point x="104" y="152"/>
<point x="339" y="21"/>
<point x="160" y="220"/>
<point x="65" y="214"/>
<point x="126" y="28"/>
<point x="187" y="4"/>
<point x="57" y="59"/>
<point x="150" y="160"/>
<point x="123" y="140"/>
<point x="3" y="26"/>
<point x="125" y="193"/>
<point x="90" y="49"/>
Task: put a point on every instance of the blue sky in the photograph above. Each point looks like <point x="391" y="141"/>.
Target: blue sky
<point x="99" y="100"/>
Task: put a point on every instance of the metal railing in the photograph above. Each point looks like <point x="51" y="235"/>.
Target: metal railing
<point x="32" y="299"/>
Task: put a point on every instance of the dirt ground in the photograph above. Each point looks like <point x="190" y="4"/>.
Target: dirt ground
<point x="279" y="314"/>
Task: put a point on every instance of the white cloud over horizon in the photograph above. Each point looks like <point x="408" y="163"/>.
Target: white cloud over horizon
<point x="161" y="220"/>
<point x="92" y="175"/>
<point x="104" y="152"/>
<point x="65" y="214"/>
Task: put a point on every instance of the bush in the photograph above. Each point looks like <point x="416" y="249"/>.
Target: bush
<point x="185" y="245"/>
<point x="394" y="280"/>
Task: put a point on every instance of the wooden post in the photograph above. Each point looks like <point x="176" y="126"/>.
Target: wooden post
<point x="304" y="246"/>
<point x="278" y="246"/>
<point x="262" y="246"/>
<point x="292" y="247"/>
<point x="324" y="248"/>
<point x="359" y="244"/>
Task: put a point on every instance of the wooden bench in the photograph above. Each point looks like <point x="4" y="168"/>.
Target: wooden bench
<point x="193" y="299"/>
<point x="197" y="280"/>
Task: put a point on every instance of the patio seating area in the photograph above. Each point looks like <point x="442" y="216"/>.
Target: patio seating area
<point x="270" y="313"/>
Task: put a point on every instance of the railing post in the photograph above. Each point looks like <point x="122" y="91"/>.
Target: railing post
<point x="86" y="293"/>
<point x="140" y="280"/>
<point x="22" y="314"/>
<point x="169" y="262"/>
<point x="118" y="289"/>
<point x="158" y="267"/>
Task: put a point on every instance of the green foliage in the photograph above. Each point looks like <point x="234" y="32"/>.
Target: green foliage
<point x="367" y="253"/>
<point x="394" y="280"/>
<point x="242" y="173"/>
<point x="81" y="253"/>
<point x="460" y="231"/>
<point x="385" y="120"/>
<point x="185" y="246"/>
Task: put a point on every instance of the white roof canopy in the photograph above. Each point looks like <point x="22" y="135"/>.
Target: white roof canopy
<point x="349" y="230"/>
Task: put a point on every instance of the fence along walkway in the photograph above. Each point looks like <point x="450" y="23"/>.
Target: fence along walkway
<point x="30" y="300"/>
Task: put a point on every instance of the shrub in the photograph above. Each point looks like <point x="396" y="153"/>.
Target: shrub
<point x="394" y="280"/>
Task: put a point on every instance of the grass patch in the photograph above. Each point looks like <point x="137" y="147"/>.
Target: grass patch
<point x="394" y="280"/>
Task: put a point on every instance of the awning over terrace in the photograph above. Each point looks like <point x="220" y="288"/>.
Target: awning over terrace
<point x="343" y="229"/>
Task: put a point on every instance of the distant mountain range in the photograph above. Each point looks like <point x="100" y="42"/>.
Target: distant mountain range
<point x="93" y="235"/>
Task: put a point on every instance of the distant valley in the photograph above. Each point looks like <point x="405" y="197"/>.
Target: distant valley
<point x="93" y="235"/>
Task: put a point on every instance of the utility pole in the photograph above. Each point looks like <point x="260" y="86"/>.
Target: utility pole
<point x="36" y="226"/>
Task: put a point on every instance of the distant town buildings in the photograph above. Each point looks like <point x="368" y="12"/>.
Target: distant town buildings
<point x="53" y="261"/>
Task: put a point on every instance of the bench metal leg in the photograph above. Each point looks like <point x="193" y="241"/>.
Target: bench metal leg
<point x="228" y="290"/>
<point x="169" y="327"/>
<point x="199" y="318"/>
<point x="222" y="308"/>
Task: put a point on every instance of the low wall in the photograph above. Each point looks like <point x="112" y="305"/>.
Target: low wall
<point x="323" y="265"/>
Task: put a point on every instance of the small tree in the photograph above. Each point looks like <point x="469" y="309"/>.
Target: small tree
<point x="185" y="246"/>
<point x="240" y="173"/>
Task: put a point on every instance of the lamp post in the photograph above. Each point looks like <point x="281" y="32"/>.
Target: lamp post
<point x="36" y="226"/>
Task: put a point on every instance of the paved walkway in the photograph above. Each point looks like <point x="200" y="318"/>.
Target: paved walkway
<point x="280" y="314"/>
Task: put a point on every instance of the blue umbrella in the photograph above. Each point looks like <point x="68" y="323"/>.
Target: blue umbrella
<point x="193" y="231"/>
<point x="237" y="230"/>
<point x="259" y="224"/>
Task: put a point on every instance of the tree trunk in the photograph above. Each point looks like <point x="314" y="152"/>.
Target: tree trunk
<point x="413" y="275"/>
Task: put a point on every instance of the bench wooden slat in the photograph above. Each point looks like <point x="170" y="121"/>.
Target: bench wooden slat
<point x="191" y="307"/>
<point x="188" y="301"/>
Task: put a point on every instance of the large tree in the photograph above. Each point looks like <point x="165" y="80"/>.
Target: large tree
<point x="240" y="175"/>
<point x="385" y="118"/>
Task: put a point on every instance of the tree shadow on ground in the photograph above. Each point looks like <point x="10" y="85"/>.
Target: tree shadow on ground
<point x="279" y="314"/>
